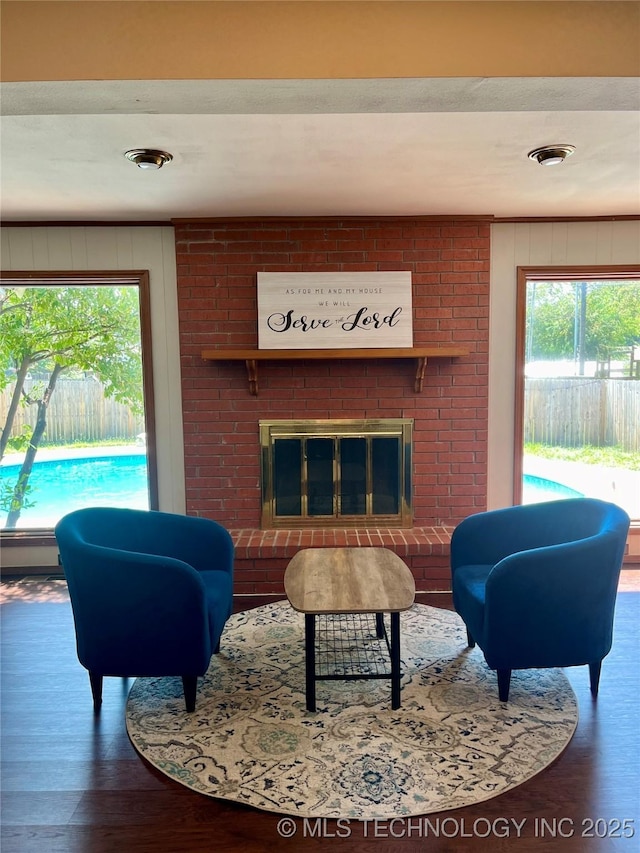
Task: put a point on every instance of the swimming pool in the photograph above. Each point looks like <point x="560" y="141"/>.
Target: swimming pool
<point x="536" y="489"/>
<point x="62" y="485"/>
<point x="59" y="486"/>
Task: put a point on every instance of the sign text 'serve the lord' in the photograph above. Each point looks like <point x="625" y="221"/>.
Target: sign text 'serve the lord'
<point x="361" y="319"/>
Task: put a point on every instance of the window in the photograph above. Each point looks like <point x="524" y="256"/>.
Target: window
<point x="76" y="396"/>
<point x="578" y="385"/>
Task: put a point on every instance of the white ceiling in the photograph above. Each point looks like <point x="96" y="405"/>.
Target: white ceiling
<point x="320" y="147"/>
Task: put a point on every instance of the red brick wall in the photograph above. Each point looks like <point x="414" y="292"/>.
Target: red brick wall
<point x="217" y="267"/>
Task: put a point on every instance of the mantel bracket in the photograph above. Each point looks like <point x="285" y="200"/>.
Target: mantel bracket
<point x="252" y="373"/>
<point x="421" y="367"/>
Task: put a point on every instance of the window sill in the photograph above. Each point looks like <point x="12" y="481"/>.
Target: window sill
<point x="11" y="538"/>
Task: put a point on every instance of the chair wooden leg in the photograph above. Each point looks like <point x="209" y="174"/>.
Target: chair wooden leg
<point x="96" y="690"/>
<point x="190" y="687"/>
<point x="504" y="681"/>
<point x="470" y="641"/>
<point x="594" y="677"/>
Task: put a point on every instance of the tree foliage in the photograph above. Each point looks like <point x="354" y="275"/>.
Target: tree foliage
<point x="48" y="329"/>
<point x="554" y="314"/>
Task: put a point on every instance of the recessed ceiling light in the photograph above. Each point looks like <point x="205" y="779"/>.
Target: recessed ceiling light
<point x="551" y="155"/>
<point x="148" y="158"/>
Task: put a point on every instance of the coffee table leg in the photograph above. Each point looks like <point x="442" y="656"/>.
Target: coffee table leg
<point x="379" y="625"/>
<point x="310" y="659"/>
<point x="395" y="660"/>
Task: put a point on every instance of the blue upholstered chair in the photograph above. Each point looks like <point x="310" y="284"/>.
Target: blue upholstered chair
<point x="536" y="584"/>
<point x="150" y="592"/>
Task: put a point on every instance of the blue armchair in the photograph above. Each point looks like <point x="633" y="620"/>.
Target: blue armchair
<point x="150" y="592"/>
<point x="536" y="584"/>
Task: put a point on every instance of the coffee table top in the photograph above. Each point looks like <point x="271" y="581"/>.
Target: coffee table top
<point x="348" y="580"/>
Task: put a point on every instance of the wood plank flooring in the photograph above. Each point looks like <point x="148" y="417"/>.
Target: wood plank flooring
<point x="72" y="783"/>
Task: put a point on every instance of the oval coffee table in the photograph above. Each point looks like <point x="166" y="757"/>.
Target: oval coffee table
<point x="332" y="581"/>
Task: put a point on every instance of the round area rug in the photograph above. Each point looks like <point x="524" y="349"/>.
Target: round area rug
<point x="251" y="739"/>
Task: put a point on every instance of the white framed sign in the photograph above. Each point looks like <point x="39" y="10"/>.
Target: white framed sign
<point x="333" y="310"/>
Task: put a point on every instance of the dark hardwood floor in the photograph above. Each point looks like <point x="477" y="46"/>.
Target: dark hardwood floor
<point x="72" y="783"/>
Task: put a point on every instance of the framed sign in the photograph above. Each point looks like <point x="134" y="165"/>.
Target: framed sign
<point x="350" y="310"/>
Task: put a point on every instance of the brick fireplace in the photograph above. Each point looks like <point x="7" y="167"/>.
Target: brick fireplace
<point x="218" y="264"/>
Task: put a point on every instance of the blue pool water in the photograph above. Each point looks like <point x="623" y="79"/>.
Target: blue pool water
<point x="535" y="489"/>
<point x="62" y="485"/>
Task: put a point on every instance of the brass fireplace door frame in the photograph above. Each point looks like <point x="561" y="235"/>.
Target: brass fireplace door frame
<point x="400" y="428"/>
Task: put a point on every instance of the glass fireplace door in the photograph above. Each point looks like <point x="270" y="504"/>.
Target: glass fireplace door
<point x="336" y="473"/>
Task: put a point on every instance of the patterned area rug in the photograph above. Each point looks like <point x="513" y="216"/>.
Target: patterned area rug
<point x="251" y="739"/>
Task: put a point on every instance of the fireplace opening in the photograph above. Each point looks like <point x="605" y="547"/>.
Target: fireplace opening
<point x="336" y="473"/>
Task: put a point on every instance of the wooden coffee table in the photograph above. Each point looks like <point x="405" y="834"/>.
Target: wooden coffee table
<point x="325" y="581"/>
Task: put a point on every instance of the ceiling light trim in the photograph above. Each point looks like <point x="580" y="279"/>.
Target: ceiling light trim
<point x="148" y="158"/>
<point x="551" y="155"/>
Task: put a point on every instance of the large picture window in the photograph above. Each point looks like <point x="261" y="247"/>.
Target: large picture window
<point x="76" y="396"/>
<point x="578" y="385"/>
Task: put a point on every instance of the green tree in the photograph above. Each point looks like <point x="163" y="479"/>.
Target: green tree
<point x="613" y="312"/>
<point x="611" y="318"/>
<point x="550" y="317"/>
<point x="48" y="329"/>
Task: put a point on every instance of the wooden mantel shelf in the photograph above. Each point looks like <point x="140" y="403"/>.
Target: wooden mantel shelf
<point x="252" y="356"/>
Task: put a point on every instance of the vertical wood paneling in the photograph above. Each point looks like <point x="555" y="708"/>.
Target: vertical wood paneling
<point x="5" y="249"/>
<point x="146" y="243"/>
<point x="582" y="244"/>
<point x="124" y="248"/>
<point x="535" y="244"/>
<point x="520" y="243"/>
<point x="20" y="250"/>
<point x="79" y="254"/>
<point x="625" y="239"/>
<point x="540" y="242"/>
<point x="101" y="247"/>
<point x="559" y="241"/>
<point x="604" y="243"/>
<point x="59" y="248"/>
<point x="40" y="249"/>
<point x="507" y="243"/>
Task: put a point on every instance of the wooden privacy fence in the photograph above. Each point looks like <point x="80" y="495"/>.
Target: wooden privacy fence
<point x="575" y="411"/>
<point x="568" y="412"/>
<point x="79" y="411"/>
